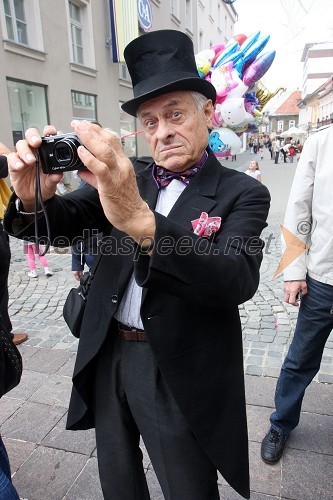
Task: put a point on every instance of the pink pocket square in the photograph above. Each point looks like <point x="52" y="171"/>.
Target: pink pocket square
<point x="205" y="226"/>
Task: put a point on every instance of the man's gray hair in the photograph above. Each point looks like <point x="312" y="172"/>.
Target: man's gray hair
<point x="200" y="99"/>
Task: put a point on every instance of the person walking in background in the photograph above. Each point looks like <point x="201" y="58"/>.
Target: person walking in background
<point x="276" y="146"/>
<point x="261" y="151"/>
<point x="292" y="153"/>
<point x="285" y="150"/>
<point x="255" y="145"/>
<point x="5" y="254"/>
<point x="156" y="337"/>
<point x="269" y="147"/>
<point x="31" y="250"/>
<point x="309" y="217"/>
<point x="253" y="170"/>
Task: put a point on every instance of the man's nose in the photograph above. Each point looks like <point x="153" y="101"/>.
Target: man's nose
<point x="164" y="130"/>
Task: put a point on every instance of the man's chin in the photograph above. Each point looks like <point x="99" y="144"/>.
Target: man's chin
<point x="176" y="162"/>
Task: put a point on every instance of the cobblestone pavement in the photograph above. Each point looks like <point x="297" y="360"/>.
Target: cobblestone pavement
<point x="50" y="463"/>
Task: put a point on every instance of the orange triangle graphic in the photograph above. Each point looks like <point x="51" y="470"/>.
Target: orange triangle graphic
<point x="294" y="248"/>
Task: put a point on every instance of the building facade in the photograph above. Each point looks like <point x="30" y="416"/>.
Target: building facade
<point x="56" y="59"/>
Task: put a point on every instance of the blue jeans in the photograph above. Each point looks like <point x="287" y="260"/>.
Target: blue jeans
<point x="302" y="363"/>
<point x="7" y="490"/>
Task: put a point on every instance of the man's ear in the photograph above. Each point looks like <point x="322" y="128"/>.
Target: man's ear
<point x="208" y="109"/>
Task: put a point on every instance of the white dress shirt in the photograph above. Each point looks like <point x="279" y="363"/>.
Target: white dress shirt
<point x="128" y="312"/>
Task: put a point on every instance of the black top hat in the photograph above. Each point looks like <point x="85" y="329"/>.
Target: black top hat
<point x="160" y="62"/>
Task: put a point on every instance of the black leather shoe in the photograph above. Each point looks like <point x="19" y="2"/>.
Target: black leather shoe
<point x="272" y="446"/>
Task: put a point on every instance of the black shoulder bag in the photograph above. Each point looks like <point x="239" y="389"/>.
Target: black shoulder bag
<point x="10" y="363"/>
<point x="76" y="301"/>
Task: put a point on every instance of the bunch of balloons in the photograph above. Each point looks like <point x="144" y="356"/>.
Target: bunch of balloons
<point x="234" y="69"/>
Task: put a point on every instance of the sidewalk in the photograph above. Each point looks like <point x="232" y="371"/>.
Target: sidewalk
<point x="50" y="463"/>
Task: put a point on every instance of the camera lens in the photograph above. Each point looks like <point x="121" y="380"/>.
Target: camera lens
<point x="65" y="152"/>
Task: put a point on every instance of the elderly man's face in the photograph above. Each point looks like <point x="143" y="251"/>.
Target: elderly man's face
<point x="176" y="130"/>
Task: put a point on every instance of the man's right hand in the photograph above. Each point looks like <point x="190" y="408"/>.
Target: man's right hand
<point x="22" y="169"/>
<point x="77" y="275"/>
<point x="292" y="289"/>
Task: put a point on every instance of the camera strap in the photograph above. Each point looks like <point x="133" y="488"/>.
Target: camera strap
<point x="39" y="202"/>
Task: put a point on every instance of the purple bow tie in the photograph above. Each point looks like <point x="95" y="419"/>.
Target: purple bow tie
<point x="163" y="177"/>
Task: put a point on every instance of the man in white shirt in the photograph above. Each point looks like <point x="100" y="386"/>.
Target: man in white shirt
<point x="308" y="279"/>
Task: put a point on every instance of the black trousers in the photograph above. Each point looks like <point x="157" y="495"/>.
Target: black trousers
<point x="4" y="271"/>
<point x="132" y="399"/>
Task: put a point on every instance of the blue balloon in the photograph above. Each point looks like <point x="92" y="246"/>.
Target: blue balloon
<point x="233" y="47"/>
<point x="253" y="51"/>
<point x="238" y="66"/>
<point x="232" y="57"/>
<point x="250" y="41"/>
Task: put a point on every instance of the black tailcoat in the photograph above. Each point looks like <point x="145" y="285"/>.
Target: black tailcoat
<point x="191" y="291"/>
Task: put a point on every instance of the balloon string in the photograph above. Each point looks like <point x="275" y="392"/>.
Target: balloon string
<point x="132" y="133"/>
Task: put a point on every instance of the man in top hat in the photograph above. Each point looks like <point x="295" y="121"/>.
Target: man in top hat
<point x="160" y="352"/>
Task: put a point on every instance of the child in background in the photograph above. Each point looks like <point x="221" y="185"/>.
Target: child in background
<point x="261" y="151"/>
<point x="31" y="250"/>
<point x="253" y="170"/>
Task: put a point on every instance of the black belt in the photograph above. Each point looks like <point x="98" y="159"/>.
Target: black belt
<point x="129" y="333"/>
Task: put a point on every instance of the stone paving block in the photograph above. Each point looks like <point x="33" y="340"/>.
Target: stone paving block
<point x="68" y="368"/>
<point x="48" y="344"/>
<point x="33" y="341"/>
<point x="318" y="399"/>
<point x="18" y="452"/>
<point x="265" y="478"/>
<point x="227" y="493"/>
<point x="47" y="360"/>
<point x="55" y="392"/>
<point x="271" y="372"/>
<point x="254" y="370"/>
<point x="260" y="390"/>
<point x="83" y="442"/>
<point x="26" y="352"/>
<point x="8" y="407"/>
<point x="274" y="362"/>
<point x="32" y="422"/>
<point x="87" y="486"/>
<point x="307" y="476"/>
<point x="154" y="486"/>
<point x="30" y="383"/>
<point x="325" y="379"/>
<point x="257" y="421"/>
<point x="48" y="474"/>
<point x="314" y="434"/>
<point x="145" y="458"/>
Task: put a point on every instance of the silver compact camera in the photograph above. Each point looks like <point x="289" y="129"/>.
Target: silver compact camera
<point x="58" y="153"/>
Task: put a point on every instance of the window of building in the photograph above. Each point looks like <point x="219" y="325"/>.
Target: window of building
<point x="28" y="107"/>
<point x="210" y="9"/>
<point x="76" y="32"/>
<point x="219" y="17"/>
<point x="21" y="23"/>
<point x="292" y="123"/>
<point x="175" y="11"/>
<point x="280" y="126"/>
<point x="84" y="106"/>
<point x="124" y="73"/>
<point x="81" y="33"/>
<point x="16" y="22"/>
<point x="188" y="15"/>
<point x="201" y="40"/>
<point x="127" y="127"/>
